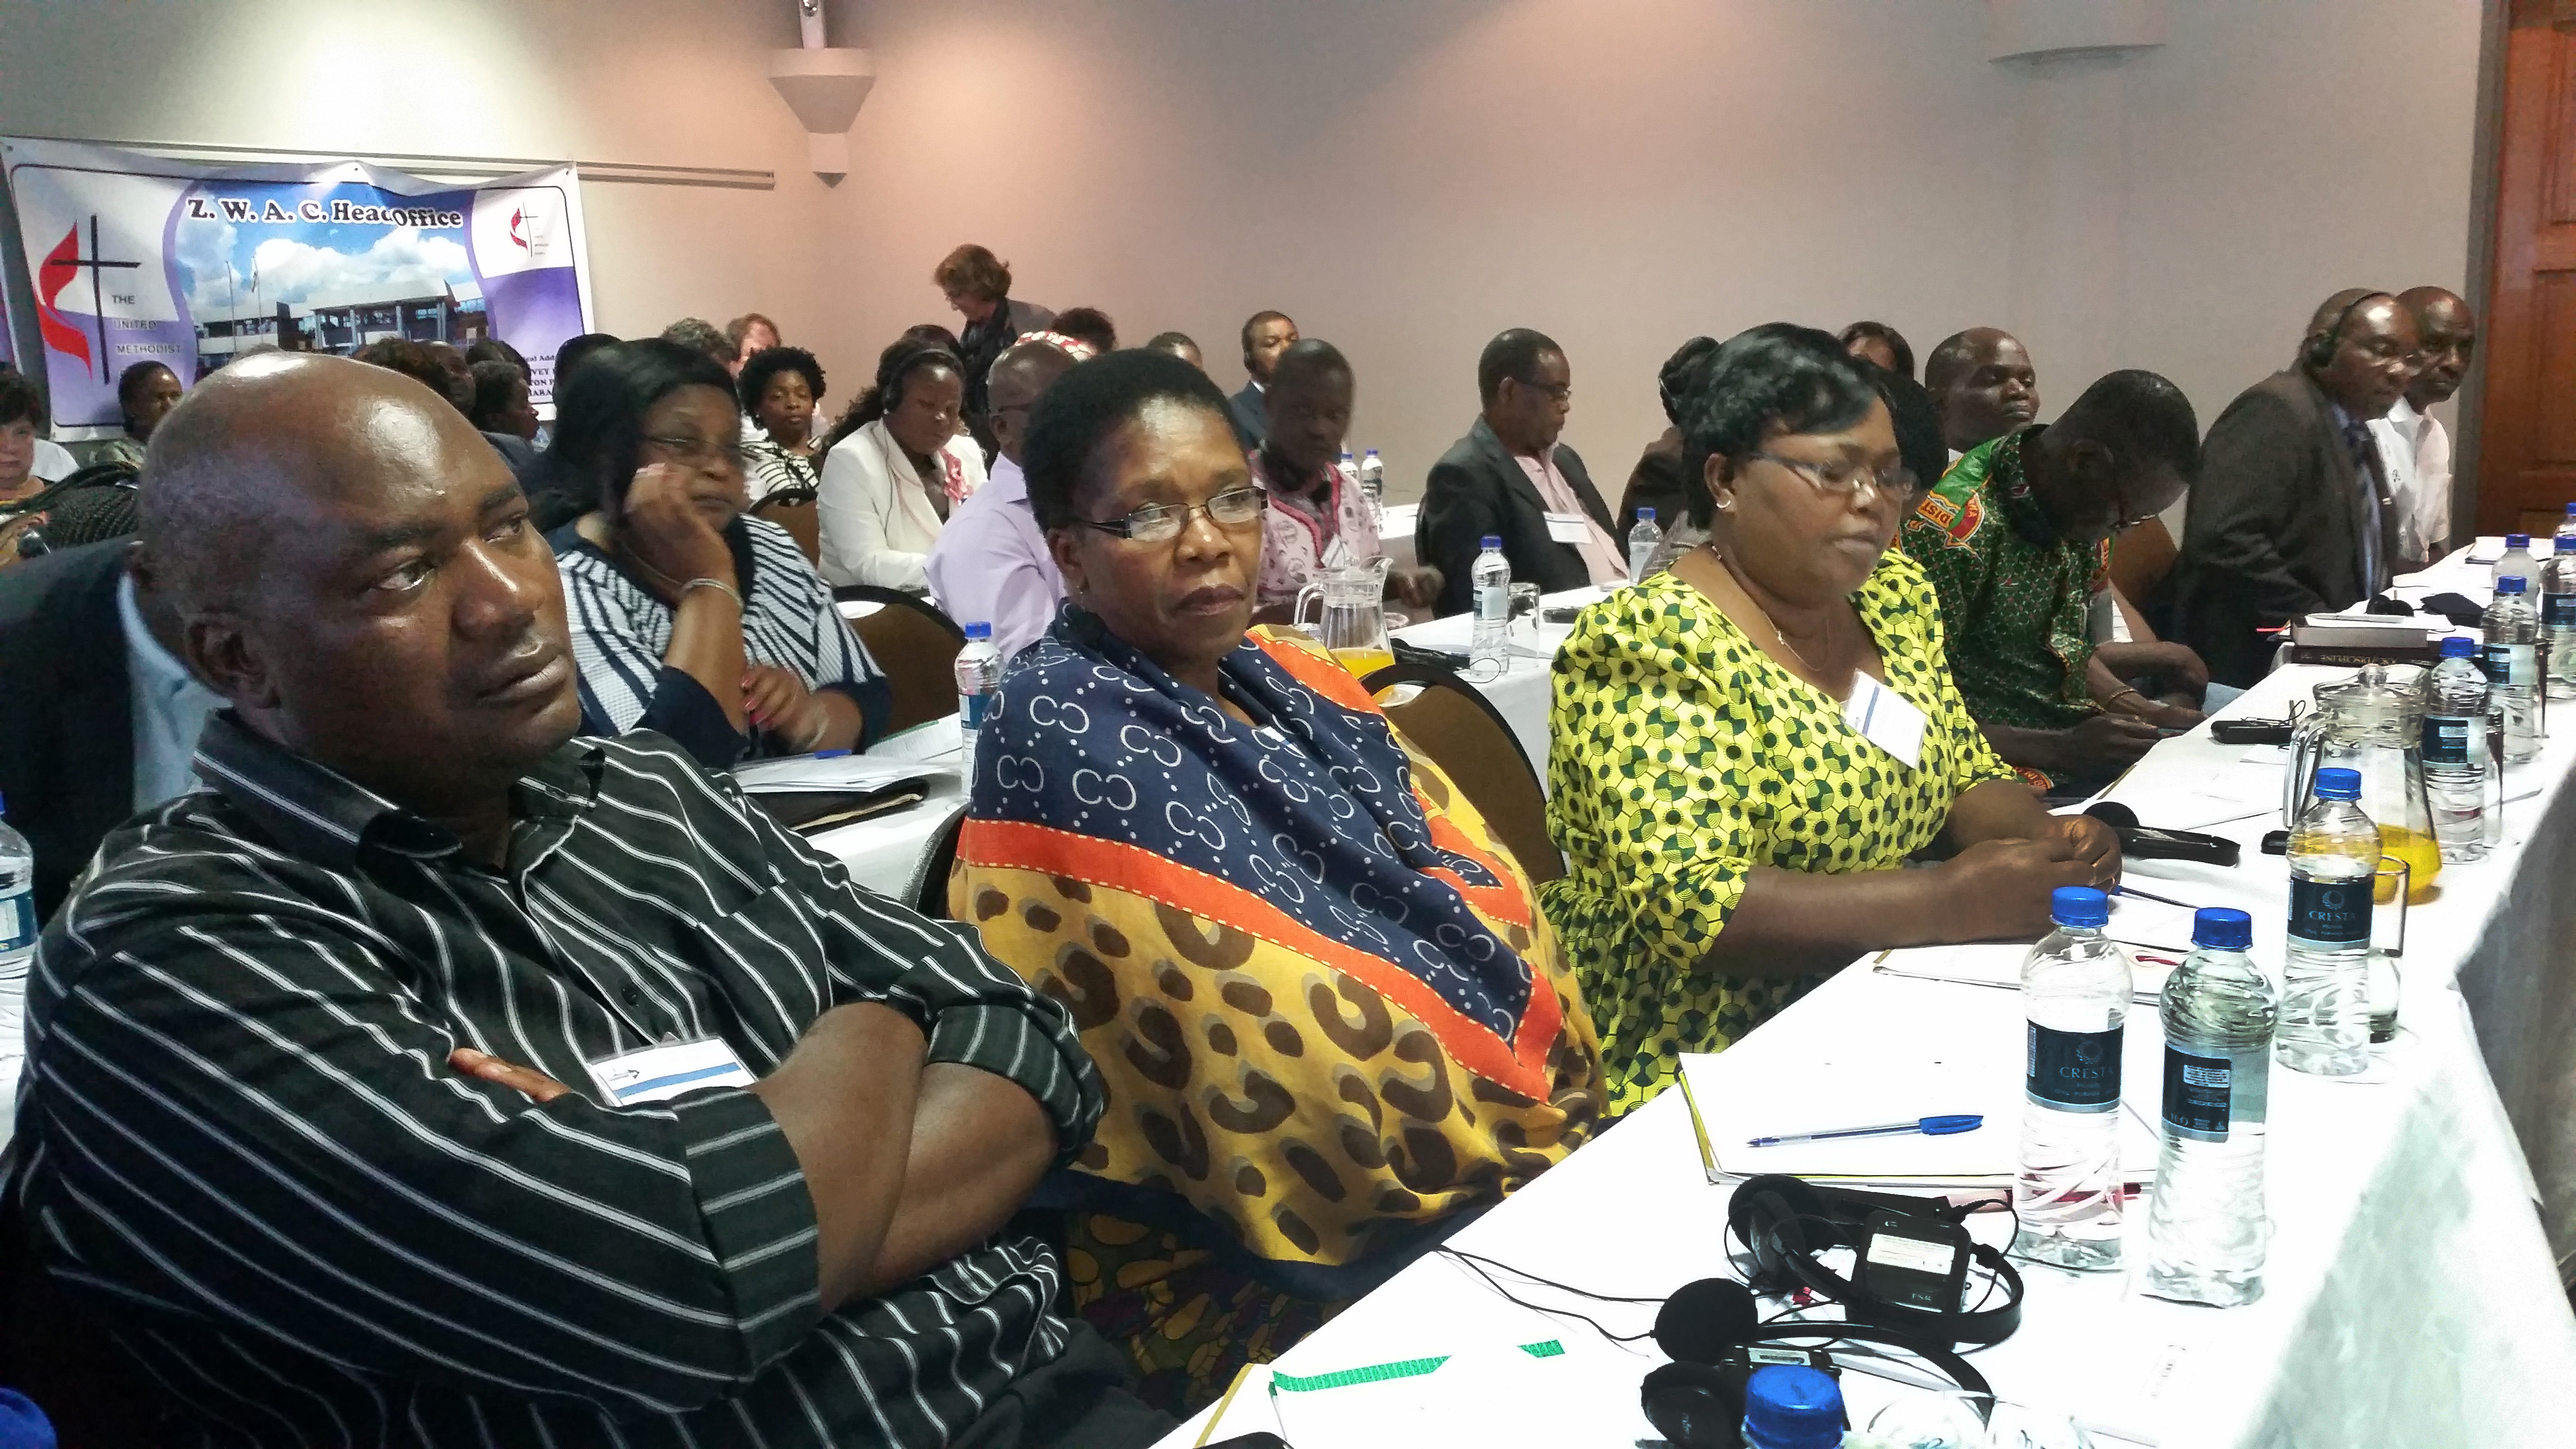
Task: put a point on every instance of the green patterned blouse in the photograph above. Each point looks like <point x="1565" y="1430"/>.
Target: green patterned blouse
<point x="1682" y="758"/>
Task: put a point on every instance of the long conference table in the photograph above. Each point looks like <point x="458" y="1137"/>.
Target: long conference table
<point x="2412" y="1294"/>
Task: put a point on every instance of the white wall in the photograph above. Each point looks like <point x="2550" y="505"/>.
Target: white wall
<point x="1406" y="179"/>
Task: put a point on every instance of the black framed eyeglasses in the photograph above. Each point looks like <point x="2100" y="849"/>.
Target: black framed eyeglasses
<point x="1161" y="522"/>
<point x="1557" y="391"/>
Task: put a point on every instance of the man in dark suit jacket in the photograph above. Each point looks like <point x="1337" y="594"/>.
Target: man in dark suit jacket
<point x="1265" y="336"/>
<point x="66" y="709"/>
<point x="1498" y="480"/>
<point x="2292" y="514"/>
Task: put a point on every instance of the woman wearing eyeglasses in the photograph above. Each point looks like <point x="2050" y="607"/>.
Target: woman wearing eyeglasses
<point x="688" y="617"/>
<point x="1328" y="1012"/>
<point x="1747" y="749"/>
<point x="894" y="467"/>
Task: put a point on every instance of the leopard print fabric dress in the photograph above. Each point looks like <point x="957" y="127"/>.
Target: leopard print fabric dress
<point x="1326" y="1009"/>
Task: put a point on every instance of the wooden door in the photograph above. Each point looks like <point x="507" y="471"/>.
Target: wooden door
<point x="2527" y="431"/>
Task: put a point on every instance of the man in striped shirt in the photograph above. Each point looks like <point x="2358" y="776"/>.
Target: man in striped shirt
<point x="296" y="1123"/>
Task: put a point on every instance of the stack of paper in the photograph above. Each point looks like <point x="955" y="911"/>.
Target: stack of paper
<point x="843" y="774"/>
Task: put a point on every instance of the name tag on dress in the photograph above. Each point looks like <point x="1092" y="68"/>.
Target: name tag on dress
<point x="1886" y="719"/>
<point x="663" y="1071"/>
<point x="1573" y="528"/>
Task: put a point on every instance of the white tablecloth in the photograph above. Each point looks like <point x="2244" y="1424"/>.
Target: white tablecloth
<point x="2411" y="1295"/>
<point x="1521" y="694"/>
<point x="883" y="852"/>
<point x="1395" y="532"/>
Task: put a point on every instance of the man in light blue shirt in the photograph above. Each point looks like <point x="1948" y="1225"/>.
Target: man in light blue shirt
<point x="170" y="707"/>
<point x="97" y="717"/>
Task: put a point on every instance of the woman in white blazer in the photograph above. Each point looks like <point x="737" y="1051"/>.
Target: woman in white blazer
<point x="895" y="468"/>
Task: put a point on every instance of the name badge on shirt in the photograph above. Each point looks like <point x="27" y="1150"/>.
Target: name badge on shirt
<point x="660" y="1072"/>
<point x="1573" y="528"/>
<point x="1886" y="719"/>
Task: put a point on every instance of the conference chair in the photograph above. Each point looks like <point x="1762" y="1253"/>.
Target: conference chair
<point x="1451" y="721"/>
<point x="2141" y="556"/>
<point x="794" y="509"/>
<point x="929" y="891"/>
<point x="914" y="643"/>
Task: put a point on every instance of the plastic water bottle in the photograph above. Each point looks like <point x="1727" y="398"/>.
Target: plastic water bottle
<point x="1791" y="1406"/>
<point x="1489" y="647"/>
<point x="2205" y="1230"/>
<point x="1643" y="540"/>
<point x="2558" y="609"/>
<point x="17" y="954"/>
<point x="1373" y="484"/>
<point x="2517" y="563"/>
<point x="979" y="673"/>
<point x="2455" y="750"/>
<point x="17" y="903"/>
<point x="2075" y="991"/>
<point x="2325" y="983"/>
<point x="2513" y="665"/>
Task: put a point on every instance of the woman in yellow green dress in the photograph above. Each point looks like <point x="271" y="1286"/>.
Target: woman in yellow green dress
<point x="1747" y="750"/>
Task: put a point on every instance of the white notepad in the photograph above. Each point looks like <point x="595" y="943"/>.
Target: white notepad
<point x="1969" y="1061"/>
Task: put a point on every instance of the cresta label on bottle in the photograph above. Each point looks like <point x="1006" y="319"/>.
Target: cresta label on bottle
<point x="2558" y="611"/>
<point x="2330" y="912"/>
<point x="2074" y="1071"/>
<point x="2447" y="736"/>
<point x="2511" y="664"/>
<point x="2208" y="1089"/>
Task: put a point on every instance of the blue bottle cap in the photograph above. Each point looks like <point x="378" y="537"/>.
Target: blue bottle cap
<point x="1791" y="1406"/>
<point x="22" y="1424"/>
<point x="2336" y="783"/>
<point x="2571" y="510"/>
<point x="2511" y="584"/>
<point x="2079" y="906"/>
<point x="1645" y="515"/>
<point x="1493" y="540"/>
<point x="979" y="631"/>
<point x="2517" y="540"/>
<point x="2222" y="928"/>
<point x="1372" y="453"/>
<point x="2459" y="646"/>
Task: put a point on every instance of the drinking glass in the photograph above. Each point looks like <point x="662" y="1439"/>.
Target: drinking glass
<point x="1525" y="601"/>
<point x="2388" y="892"/>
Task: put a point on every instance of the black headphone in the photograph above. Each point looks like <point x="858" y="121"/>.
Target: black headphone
<point x="2321" y="348"/>
<point x="1786" y="1222"/>
<point x="1696" y="1402"/>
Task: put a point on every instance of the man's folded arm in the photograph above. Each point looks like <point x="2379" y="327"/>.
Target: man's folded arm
<point x="972" y="1010"/>
<point x="252" y="1125"/>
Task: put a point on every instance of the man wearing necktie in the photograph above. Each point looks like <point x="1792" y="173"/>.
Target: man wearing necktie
<point x="2292" y="514"/>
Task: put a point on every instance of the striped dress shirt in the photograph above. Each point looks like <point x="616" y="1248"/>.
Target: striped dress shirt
<point x="621" y="630"/>
<point x="243" y="1148"/>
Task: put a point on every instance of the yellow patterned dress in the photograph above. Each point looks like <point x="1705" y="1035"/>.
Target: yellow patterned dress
<point x="1682" y="757"/>
<point x="1327" y="1011"/>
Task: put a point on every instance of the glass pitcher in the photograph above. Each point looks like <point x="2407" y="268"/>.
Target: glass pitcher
<point x="1352" y="621"/>
<point x="2373" y="723"/>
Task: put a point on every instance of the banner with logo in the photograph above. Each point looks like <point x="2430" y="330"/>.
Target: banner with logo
<point x="132" y="258"/>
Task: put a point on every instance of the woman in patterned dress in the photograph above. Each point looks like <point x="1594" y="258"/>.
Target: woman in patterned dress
<point x="1331" y="1020"/>
<point x="1730" y="834"/>
<point x="688" y="617"/>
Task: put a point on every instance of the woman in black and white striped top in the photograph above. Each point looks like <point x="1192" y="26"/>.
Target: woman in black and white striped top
<point x="688" y="617"/>
<point x="780" y="387"/>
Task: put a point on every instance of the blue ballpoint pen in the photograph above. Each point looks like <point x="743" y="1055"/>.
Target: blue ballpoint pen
<point x="1928" y="1126"/>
